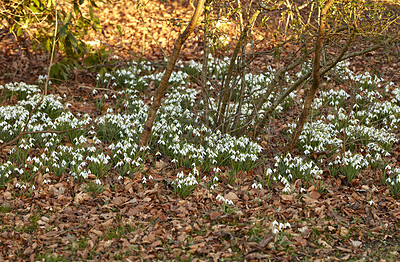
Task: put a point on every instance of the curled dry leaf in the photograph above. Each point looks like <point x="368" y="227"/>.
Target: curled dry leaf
<point x="315" y="195"/>
<point x="81" y="197"/>
<point x="355" y="243"/>
<point x="287" y="198"/>
<point x="231" y="196"/>
<point x="324" y="244"/>
<point x="161" y="164"/>
<point x="264" y="243"/>
<point x="215" y="215"/>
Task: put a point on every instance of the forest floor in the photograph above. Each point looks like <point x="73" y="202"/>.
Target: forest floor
<point x="57" y="218"/>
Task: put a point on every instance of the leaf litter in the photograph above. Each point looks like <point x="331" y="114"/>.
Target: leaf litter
<point x="130" y="221"/>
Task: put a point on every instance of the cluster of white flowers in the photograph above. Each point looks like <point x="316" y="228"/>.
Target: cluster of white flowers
<point x="356" y="161"/>
<point x="99" y="164"/>
<point x="184" y="184"/>
<point x="20" y="186"/>
<point x="256" y="185"/>
<point x="20" y="88"/>
<point x="318" y="136"/>
<point x="393" y="179"/>
<point x="215" y="179"/>
<point x="222" y="199"/>
<point x="348" y="164"/>
<point x="126" y="76"/>
<point x="178" y="131"/>
<point x="183" y="180"/>
<point x="6" y="170"/>
<point x="51" y="104"/>
<point x="371" y="122"/>
<point x="295" y="168"/>
<point x="174" y="129"/>
<point x="365" y="80"/>
<point x="12" y="119"/>
<point x="383" y="113"/>
<point x="396" y="93"/>
<point x="287" y="188"/>
<point x="334" y="98"/>
<point x="277" y="227"/>
<point x="382" y="136"/>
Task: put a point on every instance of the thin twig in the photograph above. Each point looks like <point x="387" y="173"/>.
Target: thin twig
<point x="52" y="53"/>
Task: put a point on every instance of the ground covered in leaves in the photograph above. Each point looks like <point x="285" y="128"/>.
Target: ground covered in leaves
<point x="129" y="207"/>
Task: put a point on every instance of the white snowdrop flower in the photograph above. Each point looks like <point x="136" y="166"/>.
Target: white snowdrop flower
<point x="98" y="182"/>
<point x="256" y="185"/>
<point x="220" y="198"/>
<point x="180" y="174"/>
<point x="275" y="231"/>
<point x="229" y="202"/>
<point x="94" y="91"/>
<point x="371" y="202"/>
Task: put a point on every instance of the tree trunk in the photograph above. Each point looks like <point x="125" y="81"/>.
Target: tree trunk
<point x="316" y="76"/>
<point x="204" y="70"/>
<point x="163" y="86"/>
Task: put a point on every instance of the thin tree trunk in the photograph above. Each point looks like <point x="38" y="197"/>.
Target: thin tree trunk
<point x="163" y="86"/>
<point x="316" y="76"/>
<point x="226" y="90"/>
<point x="204" y="71"/>
<point x="302" y="80"/>
<point x="242" y="73"/>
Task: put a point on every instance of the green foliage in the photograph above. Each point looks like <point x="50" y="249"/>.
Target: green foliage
<point x="38" y="19"/>
<point x="94" y="188"/>
<point x="42" y="20"/>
